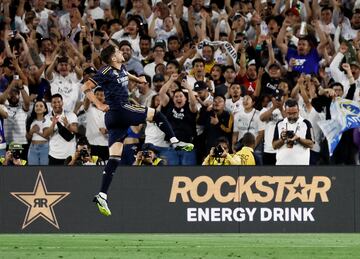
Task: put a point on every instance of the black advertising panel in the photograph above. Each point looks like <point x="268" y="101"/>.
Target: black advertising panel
<point x="181" y="200"/>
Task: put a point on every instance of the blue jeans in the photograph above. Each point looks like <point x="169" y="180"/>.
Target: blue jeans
<point x="178" y="157"/>
<point x="38" y="154"/>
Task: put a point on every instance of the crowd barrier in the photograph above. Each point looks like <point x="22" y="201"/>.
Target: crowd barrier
<point x="181" y="200"/>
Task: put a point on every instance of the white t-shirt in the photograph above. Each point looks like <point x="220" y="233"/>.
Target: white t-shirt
<point x="234" y="107"/>
<point x="97" y="13"/>
<point x="247" y="122"/>
<point x="69" y="87"/>
<point x="59" y="148"/>
<point x="149" y="69"/>
<point x="161" y="34"/>
<point x="298" y="154"/>
<point x="154" y="135"/>
<point x="269" y="128"/>
<point x="95" y="119"/>
<point x="43" y="124"/>
<point x="15" y="124"/>
<point x="314" y="117"/>
<point x="2" y="141"/>
<point x="135" y="43"/>
<point x="188" y="64"/>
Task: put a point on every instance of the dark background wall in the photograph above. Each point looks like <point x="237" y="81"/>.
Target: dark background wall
<point x="139" y="200"/>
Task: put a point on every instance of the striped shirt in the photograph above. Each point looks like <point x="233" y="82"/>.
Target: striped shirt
<point x="15" y="124"/>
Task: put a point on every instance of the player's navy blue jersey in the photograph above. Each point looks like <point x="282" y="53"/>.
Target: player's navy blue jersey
<point x="115" y="85"/>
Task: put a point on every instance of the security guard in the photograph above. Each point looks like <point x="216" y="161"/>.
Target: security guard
<point x="246" y="154"/>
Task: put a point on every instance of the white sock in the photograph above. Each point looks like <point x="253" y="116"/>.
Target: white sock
<point x="174" y="140"/>
<point x="103" y="195"/>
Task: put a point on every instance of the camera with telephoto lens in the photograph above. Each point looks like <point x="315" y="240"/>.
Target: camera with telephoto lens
<point x="218" y="151"/>
<point x="290" y="134"/>
<point x="84" y="153"/>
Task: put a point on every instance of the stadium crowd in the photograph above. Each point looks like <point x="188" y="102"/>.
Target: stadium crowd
<point x="245" y="81"/>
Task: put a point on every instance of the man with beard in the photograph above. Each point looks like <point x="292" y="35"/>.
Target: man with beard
<point x="208" y="53"/>
<point x="234" y="103"/>
<point x="293" y="137"/>
<point x="65" y="80"/>
<point x="267" y="83"/>
<point x="229" y="75"/>
<point x="304" y="59"/>
<point x="351" y="28"/>
<point x="217" y="122"/>
<point x="15" y="123"/>
<point x="248" y="76"/>
<point x="131" y="63"/>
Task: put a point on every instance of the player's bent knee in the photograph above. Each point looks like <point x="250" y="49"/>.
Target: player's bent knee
<point x="150" y="114"/>
<point x="116" y="149"/>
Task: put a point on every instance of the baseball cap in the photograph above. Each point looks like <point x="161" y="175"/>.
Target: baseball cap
<point x="160" y="43"/>
<point x="355" y="63"/>
<point x="200" y="85"/>
<point x="158" y="78"/>
<point x="149" y="146"/>
<point x="15" y="146"/>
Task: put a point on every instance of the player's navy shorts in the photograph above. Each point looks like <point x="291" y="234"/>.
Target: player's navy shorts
<point x="118" y="121"/>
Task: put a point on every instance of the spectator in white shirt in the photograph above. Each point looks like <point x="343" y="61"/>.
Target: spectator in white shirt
<point x="247" y="120"/>
<point x="62" y="136"/>
<point x="293" y="137"/>
<point x="146" y="93"/>
<point x="96" y="131"/>
<point x="65" y="82"/>
<point x="14" y="125"/>
<point x="38" y="132"/>
<point x="159" y="54"/>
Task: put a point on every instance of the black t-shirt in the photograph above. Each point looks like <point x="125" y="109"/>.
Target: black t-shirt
<point x="268" y="85"/>
<point x="182" y="120"/>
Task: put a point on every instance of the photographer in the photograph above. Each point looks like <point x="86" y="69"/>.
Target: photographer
<point x="83" y="155"/>
<point x="293" y="137"/>
<point x="219" y="155"/>
<point x="12" y="156"/>
<point x="148" y="156"/>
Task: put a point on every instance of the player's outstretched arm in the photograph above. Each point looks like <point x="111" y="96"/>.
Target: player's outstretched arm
<point x="87" y="90"/>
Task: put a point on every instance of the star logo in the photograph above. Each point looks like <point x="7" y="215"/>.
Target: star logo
<point x="40" y="203"/>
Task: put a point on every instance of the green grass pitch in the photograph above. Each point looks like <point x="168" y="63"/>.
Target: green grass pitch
<point x="168" y="246"/>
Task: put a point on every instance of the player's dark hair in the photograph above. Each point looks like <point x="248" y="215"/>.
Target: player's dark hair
<point x="56" y="96"/>
<point x="107" y="53"/>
